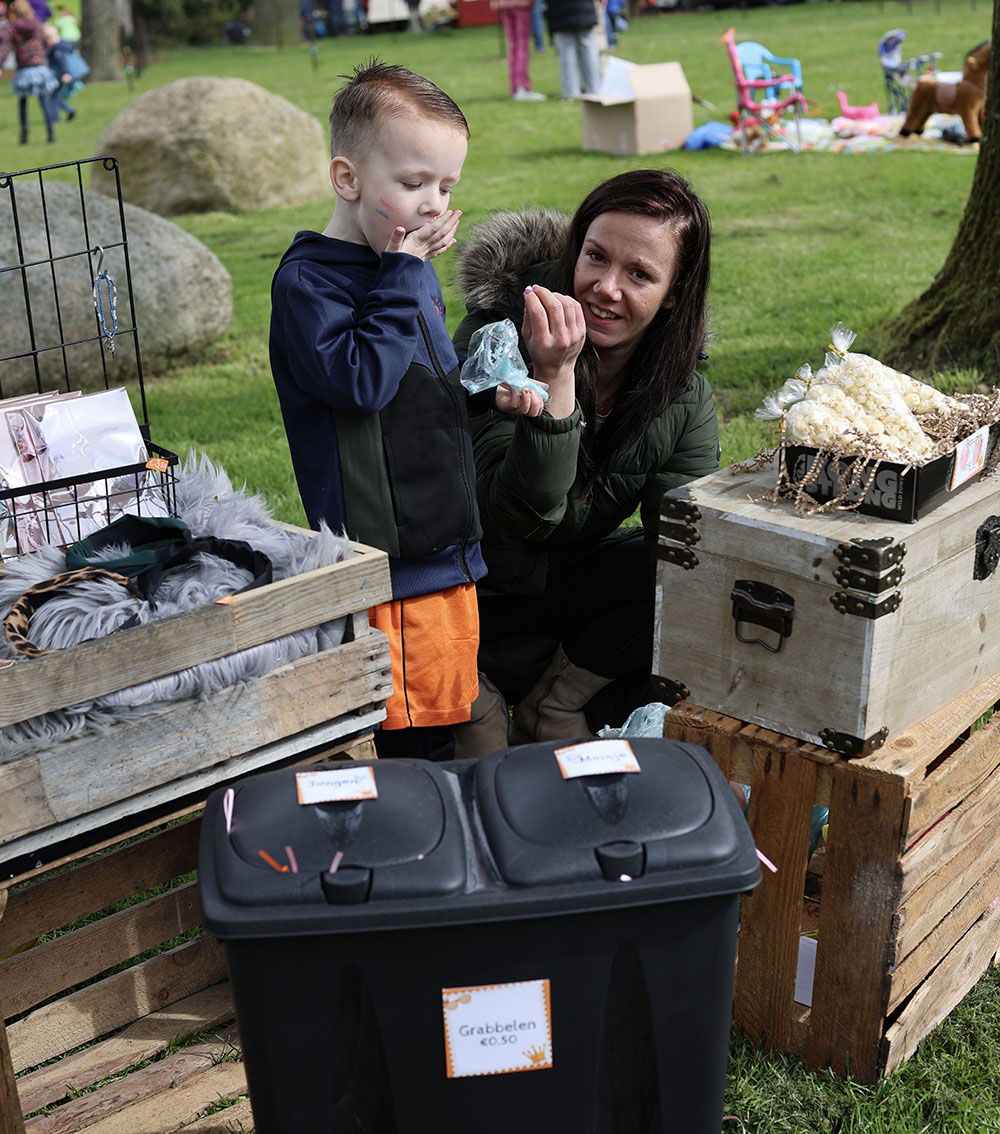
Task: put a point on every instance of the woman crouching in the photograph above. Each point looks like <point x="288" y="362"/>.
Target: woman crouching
<point x="612" y="311"/>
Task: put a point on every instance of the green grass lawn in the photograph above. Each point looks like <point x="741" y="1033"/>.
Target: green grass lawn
<point x="800" y="242"/>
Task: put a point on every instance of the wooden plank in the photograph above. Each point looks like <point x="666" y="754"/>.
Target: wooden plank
<point x="909" y="753"/>
<point x="950" y="981"/>
<point x="922" y="909"/>
<point x="77" y="777"/>
<point x="115" y="1001"/>
<point x="780" y="813"/>
<point x="165" y="1075"/>
<point x="309" y="747"/>
<point x="238" y="1117"/>
<point x="91" y="669"/>
<point x="961" y="826"/>
<point x="712" y="731"/>
<point x="57" y="900"/>
<point x="860" y="893"/>
<point x="918" y="962"/>
<point x="141" y="1040"/>
<point x="963" y="770"/>
<point x="170" y="1107"/>
<point x="10" y="1106"/>
<point x="34" y="976"/>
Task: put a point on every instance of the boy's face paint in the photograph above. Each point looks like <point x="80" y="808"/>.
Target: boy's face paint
<point x="408" y="179"/>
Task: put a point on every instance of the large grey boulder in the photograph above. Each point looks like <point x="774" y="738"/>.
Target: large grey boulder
<point x="214" y="144"/>
<point x="183" y="294"/>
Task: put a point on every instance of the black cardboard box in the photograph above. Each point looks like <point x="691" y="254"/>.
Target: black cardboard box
<point x="898" y="492"/>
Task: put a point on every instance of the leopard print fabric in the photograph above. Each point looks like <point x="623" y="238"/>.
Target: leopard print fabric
<point x="18" y="620"/>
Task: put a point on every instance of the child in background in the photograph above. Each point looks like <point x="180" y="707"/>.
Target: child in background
<point x="57" y="52"/>
<point x="23" y="33"/>
<point x="367" y="379"/>
<point x="515" y="15"/>
<point x="69" y="29"/>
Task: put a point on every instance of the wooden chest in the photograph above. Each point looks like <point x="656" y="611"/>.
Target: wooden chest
<point x="840" y="629"/>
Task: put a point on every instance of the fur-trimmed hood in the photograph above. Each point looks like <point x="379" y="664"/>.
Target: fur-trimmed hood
<point x="501" y="248"/>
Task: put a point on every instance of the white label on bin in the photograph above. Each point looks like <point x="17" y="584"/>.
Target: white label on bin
<point x="493" y="1029"/>
<point x="335" y="784"/>
<point x="596" y="758"/>
<point x="970" y="456"/>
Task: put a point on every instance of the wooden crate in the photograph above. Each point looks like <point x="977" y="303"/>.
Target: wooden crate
<point x="72" y="1022"/>
<point x="80" y="785"/>
<point x="906" y="919"/>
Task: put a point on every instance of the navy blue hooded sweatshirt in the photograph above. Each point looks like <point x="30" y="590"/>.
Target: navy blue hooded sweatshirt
<point x="376" y="418"/>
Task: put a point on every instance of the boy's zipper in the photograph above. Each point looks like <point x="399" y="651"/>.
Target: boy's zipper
<point x="470" y="488"/>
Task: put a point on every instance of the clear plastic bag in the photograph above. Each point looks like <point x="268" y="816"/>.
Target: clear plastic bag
<point x="494" y="358"/>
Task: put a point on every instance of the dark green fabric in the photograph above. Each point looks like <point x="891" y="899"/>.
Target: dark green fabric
<point x="151" y="538"/>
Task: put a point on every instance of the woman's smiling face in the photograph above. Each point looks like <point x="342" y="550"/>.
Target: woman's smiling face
<point x="623" y="276"/>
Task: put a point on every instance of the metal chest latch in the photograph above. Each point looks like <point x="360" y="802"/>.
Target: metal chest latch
<point x="869" y="570"/>
<point x="678" y="533"/>
<point x="759" y="604"/>
<point x="987" y="548"/>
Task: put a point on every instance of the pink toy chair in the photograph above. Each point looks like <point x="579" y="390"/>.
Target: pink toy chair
<point x="767" y="113"/>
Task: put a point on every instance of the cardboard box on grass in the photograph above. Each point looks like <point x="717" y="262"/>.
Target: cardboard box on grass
<point x="640" y="109"/>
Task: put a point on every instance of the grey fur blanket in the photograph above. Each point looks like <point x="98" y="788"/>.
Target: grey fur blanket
<point x="209" y="504"/>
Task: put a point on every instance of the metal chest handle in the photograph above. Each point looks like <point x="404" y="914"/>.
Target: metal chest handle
<point x="762" y="605"/>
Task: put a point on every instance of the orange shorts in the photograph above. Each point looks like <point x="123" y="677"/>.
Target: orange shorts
<point x="433" y="642"/>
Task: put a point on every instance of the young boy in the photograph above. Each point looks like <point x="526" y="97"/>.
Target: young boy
<point x="368" y="384"/>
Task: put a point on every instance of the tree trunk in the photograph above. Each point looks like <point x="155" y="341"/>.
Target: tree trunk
<point x="100" y="40"/>
<point x="956" y="322"/>
<point x="277" y="22"/>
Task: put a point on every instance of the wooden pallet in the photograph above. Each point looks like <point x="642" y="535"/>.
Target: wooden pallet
<point x="114" y="1001"/>
<point x="906" y="921"/>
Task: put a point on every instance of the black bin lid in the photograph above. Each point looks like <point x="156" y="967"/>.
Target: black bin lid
<point x="669" y="823"/>
<point x="406" y="843"/>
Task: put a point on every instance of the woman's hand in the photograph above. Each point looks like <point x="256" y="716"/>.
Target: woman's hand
<point x="523" y="403"/>
<point x="554" y="332"/>
<point x="430" y="239"/>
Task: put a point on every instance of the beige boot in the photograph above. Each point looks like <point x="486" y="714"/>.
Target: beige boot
<point x="553" y="710"/>
<point x="486" y="729"/>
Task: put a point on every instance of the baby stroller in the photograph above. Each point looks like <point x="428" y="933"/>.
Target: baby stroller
<point x="901" y="74"/>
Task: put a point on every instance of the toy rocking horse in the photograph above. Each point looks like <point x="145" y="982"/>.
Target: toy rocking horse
<point x="966" y="98"/>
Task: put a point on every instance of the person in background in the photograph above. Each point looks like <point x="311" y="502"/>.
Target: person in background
<point x="538" y="24"/>
<point x="58" y="54"/>
<point x="612" y="307"/>
<point x="69" y="29"/>
<point x="515" y="15"/>
<point x="573" y="24"/>
<point x="33" y="78"/>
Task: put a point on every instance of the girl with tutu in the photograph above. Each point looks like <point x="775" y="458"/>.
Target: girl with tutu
<point x="34" y="78"/>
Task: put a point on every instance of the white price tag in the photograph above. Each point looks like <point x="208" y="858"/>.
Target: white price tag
<point x="596" y="758"/>
<point x="334" y="784"/>
<point x="493" y="1029"/>
<point x="970" y="456"/>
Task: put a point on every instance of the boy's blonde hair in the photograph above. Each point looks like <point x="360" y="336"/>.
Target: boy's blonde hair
<point x="378" y="91"/>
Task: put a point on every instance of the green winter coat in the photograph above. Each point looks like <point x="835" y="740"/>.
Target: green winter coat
<point x="532" y="519"/>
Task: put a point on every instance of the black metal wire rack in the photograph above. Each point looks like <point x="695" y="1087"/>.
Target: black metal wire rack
<point x="56" y="244"/>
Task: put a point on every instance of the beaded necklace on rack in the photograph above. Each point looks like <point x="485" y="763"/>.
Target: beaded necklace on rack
<point x="112" y="293"/>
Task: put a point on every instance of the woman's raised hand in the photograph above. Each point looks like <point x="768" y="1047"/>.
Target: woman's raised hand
<point x="554" y="332"/>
